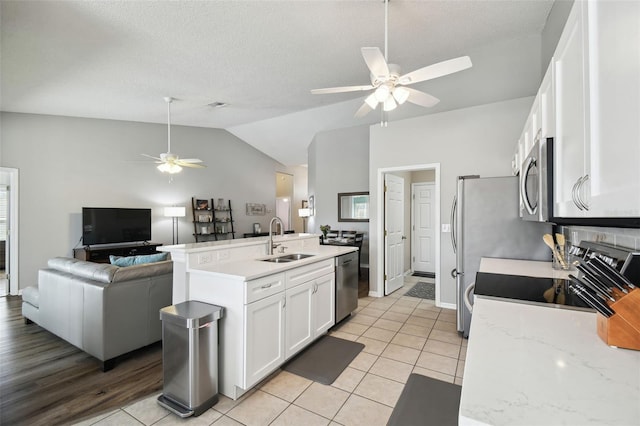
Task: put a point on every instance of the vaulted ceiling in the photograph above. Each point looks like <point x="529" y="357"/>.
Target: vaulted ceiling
<point x="117" y="60"/>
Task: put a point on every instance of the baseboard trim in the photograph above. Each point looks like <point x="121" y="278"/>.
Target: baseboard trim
<point x="448" y="306"/>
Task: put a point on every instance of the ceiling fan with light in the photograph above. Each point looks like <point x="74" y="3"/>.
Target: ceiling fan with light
<point x="169" y="162"/>
<point x="389" y="85"/>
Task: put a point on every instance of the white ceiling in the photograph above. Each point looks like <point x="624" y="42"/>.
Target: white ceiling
<point x="117" y="60"/>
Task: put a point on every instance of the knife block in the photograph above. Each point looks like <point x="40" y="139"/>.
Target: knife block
<point x="622" y="329"/>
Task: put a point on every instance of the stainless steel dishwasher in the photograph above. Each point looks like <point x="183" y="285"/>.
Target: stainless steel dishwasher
<point x="346" y="285"/>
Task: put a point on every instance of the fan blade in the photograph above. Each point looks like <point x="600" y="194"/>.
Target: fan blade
<point x="340" y="89"/>
<point x="195" y="166"/>
<point x="420" y="98"/>
<point x="191" y="160"/>
<point x="436" y="70"/>
<point x="376" y="62"/>
<point x="151" y="156"/>
<point x="363" y="110"/>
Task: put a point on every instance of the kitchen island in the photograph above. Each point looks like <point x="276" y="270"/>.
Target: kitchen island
<point x="538" y="365"/>
<point x="272" y="309"/>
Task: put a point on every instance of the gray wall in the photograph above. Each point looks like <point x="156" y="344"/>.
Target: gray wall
<point x="66" y="163"/>
<point x="339" y="162"/>
<point x="478" y="140"/>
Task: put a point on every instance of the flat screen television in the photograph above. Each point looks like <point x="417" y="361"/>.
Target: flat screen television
<point x="106" y="225"/>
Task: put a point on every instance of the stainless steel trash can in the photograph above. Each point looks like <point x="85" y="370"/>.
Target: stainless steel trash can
<point x="190" y="357"/>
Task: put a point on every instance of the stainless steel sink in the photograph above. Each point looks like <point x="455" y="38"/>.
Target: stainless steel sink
<point x="277" y="260"/>
<point x="288" y="258"/>
<point x="295" y="256"/>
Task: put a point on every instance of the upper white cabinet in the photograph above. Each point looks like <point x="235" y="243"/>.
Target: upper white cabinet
<point x="614" y="86"/>
<point x="596" y="68"/>
<point x="571" y="154"/>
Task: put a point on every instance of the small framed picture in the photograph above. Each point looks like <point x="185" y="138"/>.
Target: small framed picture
<point x="202" y="204"/>
<point x="256" y="209"/>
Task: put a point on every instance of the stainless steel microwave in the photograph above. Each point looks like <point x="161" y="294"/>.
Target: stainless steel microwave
<point x="536" y="182"/>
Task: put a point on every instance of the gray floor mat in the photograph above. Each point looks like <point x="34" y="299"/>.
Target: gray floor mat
<point x="325" y="359"/>
<point x="425" y="401"/>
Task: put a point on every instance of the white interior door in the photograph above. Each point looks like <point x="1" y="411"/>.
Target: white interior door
<point x="423" y="239"/>
<point x="283" y="211"/>
<point x="394" y="230"/>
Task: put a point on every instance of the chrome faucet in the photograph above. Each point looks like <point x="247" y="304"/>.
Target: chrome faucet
<point x="271" y="245"/>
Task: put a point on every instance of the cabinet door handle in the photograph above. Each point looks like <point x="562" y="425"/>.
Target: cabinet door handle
<point x="284" y="302"/>
<point x="581" y="190"/>
<point x="266" y="286"/>
<point x="573" y="194"/>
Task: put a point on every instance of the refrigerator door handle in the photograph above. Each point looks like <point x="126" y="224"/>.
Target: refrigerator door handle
<point x="454" y="207"/>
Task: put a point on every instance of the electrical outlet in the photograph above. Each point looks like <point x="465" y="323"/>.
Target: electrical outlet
<point x="205" y="258"/>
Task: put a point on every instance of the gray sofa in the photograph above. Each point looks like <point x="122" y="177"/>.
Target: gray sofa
<point x="103" y="309"/>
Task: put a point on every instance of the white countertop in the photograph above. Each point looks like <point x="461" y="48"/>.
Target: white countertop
<point x="527" y="268"/>
<point x="236" y="242"/>
<point x="535" y="365"/>
<point x="249" y="269"/>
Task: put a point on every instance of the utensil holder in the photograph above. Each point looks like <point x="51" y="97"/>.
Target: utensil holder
<point x="622" y="329"/>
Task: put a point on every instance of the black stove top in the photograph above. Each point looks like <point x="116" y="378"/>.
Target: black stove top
<point x="549" y="291"/>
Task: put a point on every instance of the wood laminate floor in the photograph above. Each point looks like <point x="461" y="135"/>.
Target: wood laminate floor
<point x="46" y="381"/>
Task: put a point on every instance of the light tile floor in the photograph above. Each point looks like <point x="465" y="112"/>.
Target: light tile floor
<point x="402" y="335"/>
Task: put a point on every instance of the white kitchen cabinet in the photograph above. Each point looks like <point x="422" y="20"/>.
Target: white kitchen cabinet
<point x="264" y="336"/>
<point x="324" y="304"/>
<point x="546" y="108"/>
<point x="571" y="106"/>
<point x="267" y="319"/>
<point x="614" y="73"/>
<point x="310" y="312"/>
<point x="299" y="328"/>
<point x="597" y="93"/>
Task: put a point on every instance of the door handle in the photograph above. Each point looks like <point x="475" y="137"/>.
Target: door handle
<point x="523" y="184"/>
<point x="453" y="223"/>
<point x="573" y="194"/>
<point x="579" y="191"/>
<point x="404" y="238"/>
<point x="454" y="273"/>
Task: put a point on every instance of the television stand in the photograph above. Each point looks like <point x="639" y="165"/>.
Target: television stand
<point x="100" y="254"/>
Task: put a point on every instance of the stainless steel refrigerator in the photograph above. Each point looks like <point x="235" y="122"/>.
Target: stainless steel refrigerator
<point x="486" y="222"/>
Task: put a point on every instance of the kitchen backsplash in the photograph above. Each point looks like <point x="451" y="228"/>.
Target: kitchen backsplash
<point x="625" y="237"/>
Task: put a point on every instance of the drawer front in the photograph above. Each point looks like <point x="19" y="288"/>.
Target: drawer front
<point x="306" y="273"/>
<point x="263" y="287"/>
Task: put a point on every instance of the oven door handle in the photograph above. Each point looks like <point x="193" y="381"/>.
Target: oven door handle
<point x="467" y="296"/>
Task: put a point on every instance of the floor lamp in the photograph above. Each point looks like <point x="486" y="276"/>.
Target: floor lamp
<point x="174" y="213"/>
<point x="304" y="214"/>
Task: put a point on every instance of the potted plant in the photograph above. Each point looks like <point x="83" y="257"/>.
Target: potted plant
<point x="324" y="229"/>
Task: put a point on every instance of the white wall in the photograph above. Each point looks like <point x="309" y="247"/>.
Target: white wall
<point x="478" y="140"/>
<point x="339" y="162"/>
<point x="67" y="163"/>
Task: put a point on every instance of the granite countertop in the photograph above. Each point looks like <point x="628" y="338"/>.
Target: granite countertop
<point x="250" y="269"/>
<point x="535" y="365"/>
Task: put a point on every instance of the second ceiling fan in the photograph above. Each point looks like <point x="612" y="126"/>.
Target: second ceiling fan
<point x="389" y="85"/>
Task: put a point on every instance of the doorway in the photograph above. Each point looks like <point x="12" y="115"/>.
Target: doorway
<point x="284" y="199"/>
<point x="416" y="173"/>
<point x="423" y="256"/>
<point x="8" y="231"/>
